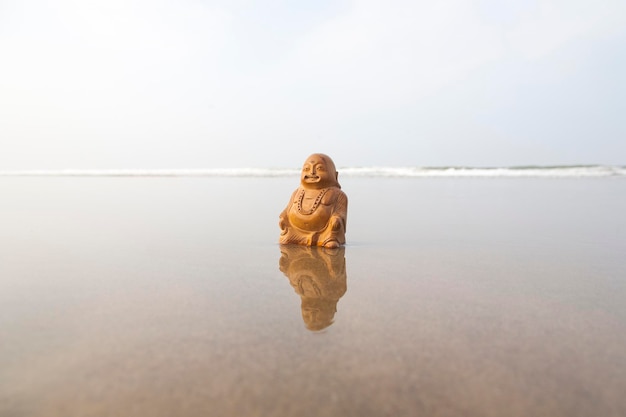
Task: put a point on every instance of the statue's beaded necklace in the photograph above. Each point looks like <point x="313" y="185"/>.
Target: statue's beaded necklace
<point x="316" y="203"/>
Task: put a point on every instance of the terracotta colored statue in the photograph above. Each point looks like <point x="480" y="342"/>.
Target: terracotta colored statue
<point x="316" y="214"/>
<point x="318" y="276"/>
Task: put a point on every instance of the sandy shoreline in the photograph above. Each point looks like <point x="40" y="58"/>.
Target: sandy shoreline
<point x="165" y="296"/>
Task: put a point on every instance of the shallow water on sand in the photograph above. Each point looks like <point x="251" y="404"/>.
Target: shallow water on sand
<point x="170" y="296"/>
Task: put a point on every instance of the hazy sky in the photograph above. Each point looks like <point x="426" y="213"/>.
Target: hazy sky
<point x="235" y="83"/>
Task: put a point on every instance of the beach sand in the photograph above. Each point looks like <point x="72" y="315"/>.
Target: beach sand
<point x="453" y="297"/>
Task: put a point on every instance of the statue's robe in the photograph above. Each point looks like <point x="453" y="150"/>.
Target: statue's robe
<point x="324" y="221"/>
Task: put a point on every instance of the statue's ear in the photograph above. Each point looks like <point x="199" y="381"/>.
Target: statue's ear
<point x="336" y="176"/>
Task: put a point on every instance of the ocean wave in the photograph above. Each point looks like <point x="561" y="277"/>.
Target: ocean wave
<point x="582" y="171"/>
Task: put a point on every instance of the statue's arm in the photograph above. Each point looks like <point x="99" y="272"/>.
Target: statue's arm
<point x="283" y="218"/>
<point x="341" y="207"/>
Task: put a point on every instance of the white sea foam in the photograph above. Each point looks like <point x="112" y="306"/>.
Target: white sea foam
<point x="216" y="172"/>
<point x="398" y="172"/>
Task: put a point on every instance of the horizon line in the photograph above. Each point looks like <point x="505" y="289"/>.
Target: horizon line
<point x="587" y="170"/>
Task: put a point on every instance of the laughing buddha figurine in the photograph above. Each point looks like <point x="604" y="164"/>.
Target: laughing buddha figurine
<point x="317" y="211"/>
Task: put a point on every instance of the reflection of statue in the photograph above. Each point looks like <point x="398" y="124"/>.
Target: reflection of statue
<point x="318" y="275"/>
<point x="316" y="214"/>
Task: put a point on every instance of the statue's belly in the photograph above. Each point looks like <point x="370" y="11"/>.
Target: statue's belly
<point x="314" y="222"/>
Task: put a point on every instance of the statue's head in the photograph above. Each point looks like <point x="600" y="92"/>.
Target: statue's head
<point x="318" y="313"/>
<point x="319" y="171"/>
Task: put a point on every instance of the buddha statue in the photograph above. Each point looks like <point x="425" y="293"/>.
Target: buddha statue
<point x="318" y="276"/>
<point x="317" y="211"/>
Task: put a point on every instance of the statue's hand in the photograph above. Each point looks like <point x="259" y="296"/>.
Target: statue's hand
<point x="336" y="223"/>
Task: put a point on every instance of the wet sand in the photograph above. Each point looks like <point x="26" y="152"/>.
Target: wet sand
<point x="453" y="297"/>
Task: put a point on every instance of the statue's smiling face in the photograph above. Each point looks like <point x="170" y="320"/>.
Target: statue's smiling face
<point x="316" y="173"/>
